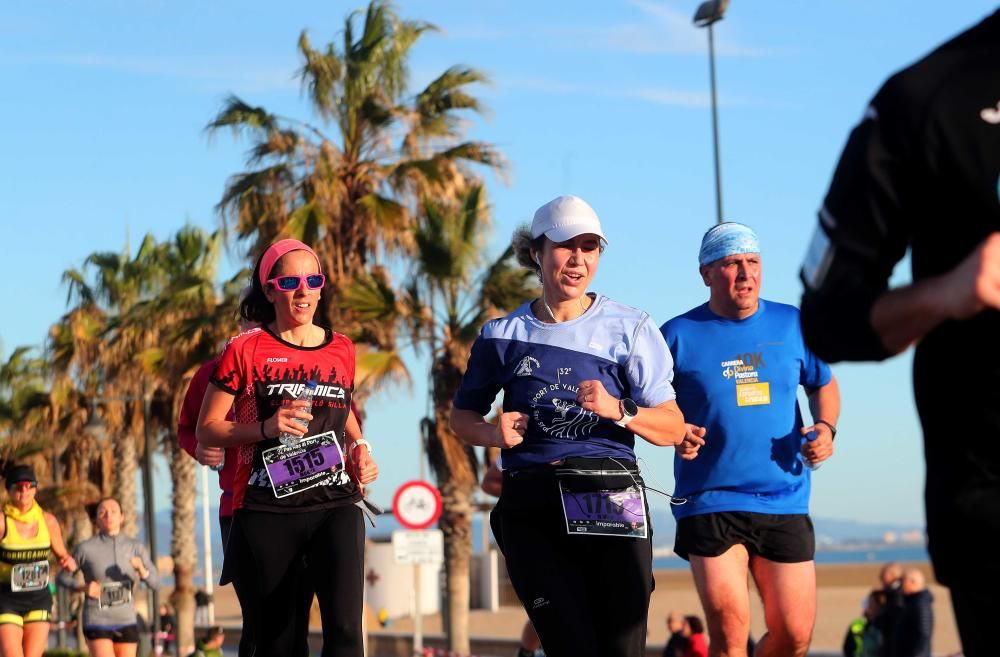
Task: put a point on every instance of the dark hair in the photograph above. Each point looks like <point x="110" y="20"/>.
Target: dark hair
<point x="523" y="244"/>
<point x="255" y="307"/>
<point x="109" y="499"/>
<point x="697" y="627"/>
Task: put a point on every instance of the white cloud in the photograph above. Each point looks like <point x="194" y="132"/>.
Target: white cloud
<point x="670" y="32"/>
<point x="666" y="31"/>
<point x="656" y="95"/>
<point x="215" y="72"/>
<point x="675" y="97"/>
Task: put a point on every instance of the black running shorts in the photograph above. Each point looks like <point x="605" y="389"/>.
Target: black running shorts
<point x="124" y="634"/>
<point x="784" y="538"/>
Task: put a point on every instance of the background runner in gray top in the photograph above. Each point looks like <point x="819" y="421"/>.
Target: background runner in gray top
<point x="107" y="561"/>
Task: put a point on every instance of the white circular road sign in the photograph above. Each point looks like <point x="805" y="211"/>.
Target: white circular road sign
<point x="417" y="505"/>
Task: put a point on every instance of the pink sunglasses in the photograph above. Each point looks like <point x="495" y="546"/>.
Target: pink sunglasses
<point x="293" y="283"/>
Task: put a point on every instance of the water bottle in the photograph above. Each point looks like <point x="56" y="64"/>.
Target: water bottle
<point x="306" y="395"/>
<point x="221" y="464"/>
<point x="809" y="464"/>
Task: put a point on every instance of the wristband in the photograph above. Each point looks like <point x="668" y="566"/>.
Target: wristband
<point x="362" y="441"/>
<point x="833" y="429"/>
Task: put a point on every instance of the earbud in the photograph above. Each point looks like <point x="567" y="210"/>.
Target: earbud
<point x="537" y="259"/>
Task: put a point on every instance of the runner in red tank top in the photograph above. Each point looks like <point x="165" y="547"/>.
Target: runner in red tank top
<point x="296" y="501"/>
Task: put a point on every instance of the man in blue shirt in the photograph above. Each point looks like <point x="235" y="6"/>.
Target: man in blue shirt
<point x="738" y="363"/>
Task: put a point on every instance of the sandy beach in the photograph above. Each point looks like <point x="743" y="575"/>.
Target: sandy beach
<point x="840" y="592"/>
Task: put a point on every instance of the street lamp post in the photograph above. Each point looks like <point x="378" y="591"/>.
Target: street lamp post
<point x="61" y="606"/>
<point x="707" y="15"/>
<point x="149" y="508"/>
<point x="150" y="511"/>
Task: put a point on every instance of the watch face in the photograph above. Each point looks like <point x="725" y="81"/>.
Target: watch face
<point x="630" y="407"/>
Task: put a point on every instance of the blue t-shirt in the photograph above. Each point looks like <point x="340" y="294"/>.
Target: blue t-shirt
<point x="539" y="367"/>
<point x="739" y="379"/>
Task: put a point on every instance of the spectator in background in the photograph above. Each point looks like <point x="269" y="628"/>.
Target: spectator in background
<point x="211" y="644"/>
<point x="863" y="638"/>
<point x="168" y="625"/>
<point x="677" y="643"/>
<point x="888" y="605"/>
<point x="912" y="633"/>
<point x="694" y="630"/>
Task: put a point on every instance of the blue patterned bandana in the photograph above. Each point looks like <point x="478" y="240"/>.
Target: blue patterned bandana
<point x="727" y="239"/>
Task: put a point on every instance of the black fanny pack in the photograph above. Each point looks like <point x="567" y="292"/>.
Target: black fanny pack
<point x="586" y="475"/>
<point x="531" y="487"/>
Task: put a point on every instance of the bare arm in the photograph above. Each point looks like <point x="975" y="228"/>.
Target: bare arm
<point x="364" y="470"/>
<point x="214" y="430"/>
<point x="492" y="483"/>
<point x="353" y="428"/>
<point x="660" y="425"/>
<point x="473" y="429"/>
<point x="824" y="404"/>
<point x="58" y="545"/>
<point x="903" y="316"/>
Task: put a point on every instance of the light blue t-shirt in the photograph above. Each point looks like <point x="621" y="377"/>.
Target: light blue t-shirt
<point x="739" y="379"/>
<point x="539" y="367"/>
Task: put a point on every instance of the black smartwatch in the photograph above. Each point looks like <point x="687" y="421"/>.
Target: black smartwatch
<point x="629" y="409"/>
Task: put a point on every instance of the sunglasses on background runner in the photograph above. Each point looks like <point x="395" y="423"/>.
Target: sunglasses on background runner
<point x="292" y="283"/>
<point x="22" y="485"/>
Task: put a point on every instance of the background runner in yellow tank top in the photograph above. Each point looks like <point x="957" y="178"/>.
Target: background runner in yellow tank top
<point x="28" y="534"/>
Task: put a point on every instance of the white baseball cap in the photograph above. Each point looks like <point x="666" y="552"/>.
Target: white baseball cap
<point x="564" y="218"/>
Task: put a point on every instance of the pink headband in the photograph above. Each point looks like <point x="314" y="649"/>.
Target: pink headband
<point x="277" y="250"/>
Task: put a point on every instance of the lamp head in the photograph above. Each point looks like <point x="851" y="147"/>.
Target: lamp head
<point x="710" y="12"/>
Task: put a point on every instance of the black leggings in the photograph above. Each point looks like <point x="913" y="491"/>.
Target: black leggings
<point x="303" y="604"/>
<point x="588" y="596"/>
<point x="268" y="551"/>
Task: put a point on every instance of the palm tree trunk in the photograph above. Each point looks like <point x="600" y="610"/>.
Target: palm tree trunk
<point x="182" y="542"/>
<point x="456" y="523"/>
<point x="454" y="466"/>
<point x="124" y="488"/>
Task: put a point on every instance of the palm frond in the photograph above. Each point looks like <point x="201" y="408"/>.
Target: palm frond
<point x="240" y="116"/>
<point x="370" y="298"/>
<point x="377" y="370"/>
<point x="307" y="222"/>
<point x="320" y="74"/>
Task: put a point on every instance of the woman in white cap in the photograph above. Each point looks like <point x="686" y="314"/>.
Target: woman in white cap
<point x="582" y="375"/>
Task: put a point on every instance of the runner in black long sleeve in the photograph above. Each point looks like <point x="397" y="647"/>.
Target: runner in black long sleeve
<point x="921" y="171"/>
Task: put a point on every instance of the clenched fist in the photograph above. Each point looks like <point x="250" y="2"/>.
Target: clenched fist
<point x="510" y="429"/>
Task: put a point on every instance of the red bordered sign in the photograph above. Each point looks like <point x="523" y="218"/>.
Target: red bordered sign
<point x="417" y="505"/>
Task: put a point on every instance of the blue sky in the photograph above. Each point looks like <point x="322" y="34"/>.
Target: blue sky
<point x="104" y="105"/>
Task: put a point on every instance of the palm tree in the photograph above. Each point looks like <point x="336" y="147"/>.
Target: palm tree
<point x="23" y="394"/>
<point x="119" y="283"/>
<point x="193" y="323"/>
<point x="452" y="296"/>
<point x="349" y="183"/>
<point x="83" y="453"/>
